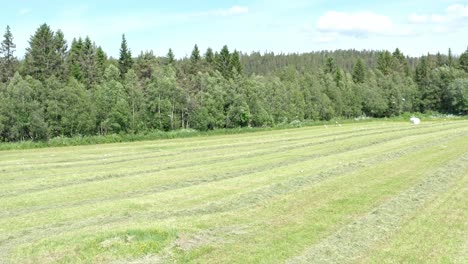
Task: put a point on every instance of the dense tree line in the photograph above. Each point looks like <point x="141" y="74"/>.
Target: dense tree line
<point x="58" y="90"/>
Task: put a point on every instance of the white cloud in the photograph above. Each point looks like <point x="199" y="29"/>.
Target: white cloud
<point x="235" y="10"/>
<point x="458" y="10"/>
<point x="455" y="16"/>
<point x="416" y="19"/>
<point x="360" y="24"/>
<point x="24" y="11"/>
<point x="438" y="18"/>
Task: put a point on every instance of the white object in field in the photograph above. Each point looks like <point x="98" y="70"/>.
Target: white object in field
<point x="415" y="121"/>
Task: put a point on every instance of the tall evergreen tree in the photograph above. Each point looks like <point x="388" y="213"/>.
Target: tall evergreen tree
<point x="101" y="61"/>
<point x="89" y="63"/>
<point x="235" y="62"/>
<point x="209" y="55"/>
<point x="450" y="58"/>
<point x="399" y="62"/>
<point x="195" y="57"/>
<point x="330" y="65"/>
<point x="61" y="55"/>
<point x="398" y="55"/>
<point x="195" y="60"/>
<point x="144" y="65"/>
<point x="74" y="58"/>
<point x="44" y="56"/>
<point x="359" y="72"/>
<point x="463" y="61"/>
<point x="125" y="59"/>
<point x="223" y="62"/>
<point x="384" y="62"/>
<point x="439" y="59"/>
<point x="170" y="58"/>
<point x="8" y="61"/>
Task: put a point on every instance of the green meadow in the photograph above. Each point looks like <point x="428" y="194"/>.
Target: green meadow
<point x="374" y="192"/>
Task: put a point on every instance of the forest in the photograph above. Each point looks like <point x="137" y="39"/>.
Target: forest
<point x="62" y="89"/>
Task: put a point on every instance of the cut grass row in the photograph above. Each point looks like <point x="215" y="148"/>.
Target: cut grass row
<point x="266" y="197"/>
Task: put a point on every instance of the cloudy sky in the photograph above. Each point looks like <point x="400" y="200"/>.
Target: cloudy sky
<point x="415" y="26"/>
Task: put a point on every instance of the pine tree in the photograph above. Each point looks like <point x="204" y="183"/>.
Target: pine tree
<point x="439" y="59"/>
<point x="463" y="61"/>
<point x="209" y="56"/>
<point x="398" y="55"/>
<point x="125" y="59"/>
<point x="101" y="61"/>
<point x="450" y="58"/>
<point x="384" y="62"/>
<point x="144" y="65"/>
<point x="235" y="62"/>
<point x="89" y="63"/>
<point x="339" y="78"/>
<point x="399" y="62"/>
<point x="330" y="65"/>
<point x="195" y="60"/>
<point x="170" y="57"/>
<point x="45" y="55"/>
<point x="195" y="57"/>
<point x="359" y="72"/>
<point x="8" y="60"/>
<point x="223" y="62"/>
<point x="61" y="55"/>
<point x="74" y="58"/>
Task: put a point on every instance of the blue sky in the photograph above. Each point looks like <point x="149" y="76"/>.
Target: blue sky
<point x="415" y="26"/>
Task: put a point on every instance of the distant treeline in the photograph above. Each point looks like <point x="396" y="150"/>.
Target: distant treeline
<point x="76" y="89"/>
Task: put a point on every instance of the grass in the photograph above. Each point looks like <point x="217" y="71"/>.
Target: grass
<point x="80" y="140"/>
<point x="372" y="192"/>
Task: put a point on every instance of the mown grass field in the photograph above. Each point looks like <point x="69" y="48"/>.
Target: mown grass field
<point x="377" y="192"/>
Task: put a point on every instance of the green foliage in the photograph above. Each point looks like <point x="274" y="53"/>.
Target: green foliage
<point x="457" y="96"/>
<point x="101" y="61"/>
<point x="8" y="62"/>
<point x="359" y="72"/>
<point x="463" y="61"/>
<point x="236" y="63"/>
<point x="384" y="62"/>
<point x="45" y="55"/>
<point x="330" y="65"/>
<point x="170" y="58"/>
<point x="144" y="65"/>
<point x="79" y="91"/>
<point x="209" y="56"/>
<point x="223" y="62"/>
<point x="125" y="58"/>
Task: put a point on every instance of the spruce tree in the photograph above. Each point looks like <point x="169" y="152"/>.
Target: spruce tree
<point x="101" y="61"/>
<point x="61" y="48"/>
<point x="89" y="63"/>
<point x="398" y="55"/>
<point x="359" y="72"/>
<point x="195" y="60"/>
<point x="450" y="58"/>
<point x="463" y="61"/>
<point x="125" y="59"/>
<point x="235" y="62"/>
<point x="74" y="58"/>
<point x="330" y="65"/>
<point x="8" y="60"/>
<point x="223" y="62"/>
<point x="439" y="59"/>
<point x="170" y="58"/>
<point x="195" y="57"/>
<point x="209" y="56"/>
<point x="384" y="62"/>
<point x="45" y="55"/>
